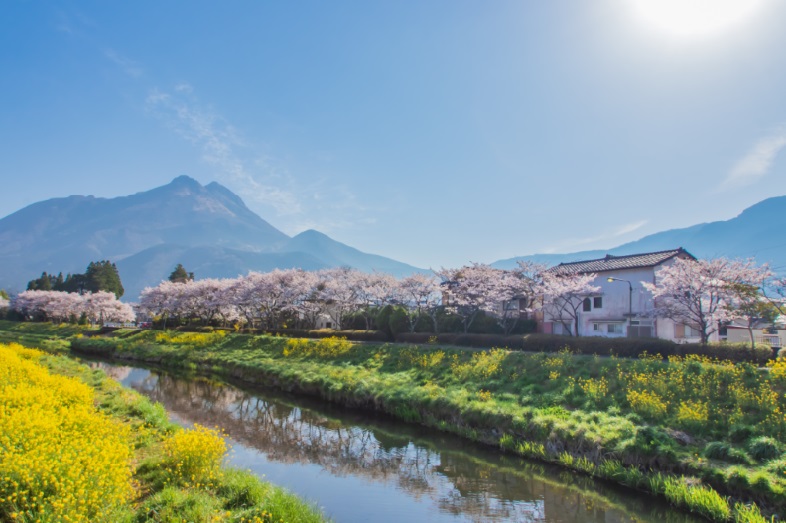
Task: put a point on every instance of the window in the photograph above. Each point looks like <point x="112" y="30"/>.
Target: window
<point x="596" y="326"/>
<point x="597" y="302"/>
<point x="587" y="305"/>
<point x="614" y="328"/>
<point x="686" y="331"/>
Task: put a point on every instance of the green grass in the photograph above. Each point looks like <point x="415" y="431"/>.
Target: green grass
<point x="690" y="430"/>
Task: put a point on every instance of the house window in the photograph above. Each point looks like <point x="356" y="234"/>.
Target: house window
<point x="596" y="326"/>
<point x="685" y="331"/>
<point x="597" y="302"/>
<point x="328" y="325"/>
<point x="587" y="305"/>
<point x="614" y="328"/>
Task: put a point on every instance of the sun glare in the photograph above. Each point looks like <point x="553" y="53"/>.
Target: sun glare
<point x="695" y="18"/>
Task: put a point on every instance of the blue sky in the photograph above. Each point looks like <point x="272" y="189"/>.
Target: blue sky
<point x="433" y="132"/>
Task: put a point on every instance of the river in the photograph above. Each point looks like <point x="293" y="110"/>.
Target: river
<point x="360" y="467"/>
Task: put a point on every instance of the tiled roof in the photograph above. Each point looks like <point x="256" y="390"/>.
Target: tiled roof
<point x="614" y="263"/>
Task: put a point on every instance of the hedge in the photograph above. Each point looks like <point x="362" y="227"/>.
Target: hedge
<point x="623" y="347"/>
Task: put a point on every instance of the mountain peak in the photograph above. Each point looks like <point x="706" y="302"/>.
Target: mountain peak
<point x="185" y="181"/>
<point x="311" y="233"/>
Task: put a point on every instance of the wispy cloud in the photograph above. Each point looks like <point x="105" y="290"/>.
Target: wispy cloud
<point x="73" y="23"/>
<point x="263" y="180"/>
<point x="579" y="243"/>
<point x="129" y="67"/>
<point x="221" y="146"/>
<point x="758" y="162"/>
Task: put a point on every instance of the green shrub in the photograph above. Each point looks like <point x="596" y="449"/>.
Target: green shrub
<point x="485" y="324"/>
<point x="398" y="322"/>
<point x="740" y="433"/>
<point x="724" y="452"/>
<point x="764" y="449"/>
<point x="737" y="479"/>
<point x="777" y="467"/>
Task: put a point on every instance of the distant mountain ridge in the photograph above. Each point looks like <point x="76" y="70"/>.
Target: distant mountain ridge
<point x="757" y="232"/>
<point x="206" y="228"/>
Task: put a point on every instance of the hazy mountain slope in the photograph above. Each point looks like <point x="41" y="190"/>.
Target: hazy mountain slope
<point x="758" y="232"/>
<point x="152" y="265"/>
<point x="337" y="254"/>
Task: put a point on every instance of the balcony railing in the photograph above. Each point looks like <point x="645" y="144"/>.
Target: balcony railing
<point x="772" y="340"/>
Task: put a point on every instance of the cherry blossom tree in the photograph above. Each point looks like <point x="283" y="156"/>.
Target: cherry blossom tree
<point x="48" y="305"/>
<point x="703" y="293"/>
<point x="338" y="292"/>
<point x="163" y="300"/>
<point x="373" y="291"/>
<point x="101" y="307"/>
<point x="306" y="303"/>
<point x="563" y="296"/>
<point x="474" y="288"/>
<point x="775" y="292"/>
<point x="207" y="300"/>
<point x="420" y="294"/>
<point x="519" y="289"/>
<point x="64" y="306"/>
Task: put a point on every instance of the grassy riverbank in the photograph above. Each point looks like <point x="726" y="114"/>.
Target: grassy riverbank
<point x="706" y="436"/>
<point x="76" y="446"/>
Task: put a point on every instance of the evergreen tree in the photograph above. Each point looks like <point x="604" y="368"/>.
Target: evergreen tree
<point x="72" y="283"/>
<point x="44" y="283"/>
<point x="103" y="276"/>
<point x="99" y="276"/>
<point x="180" y="275"/>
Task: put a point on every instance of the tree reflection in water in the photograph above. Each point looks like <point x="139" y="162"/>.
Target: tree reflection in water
<point x="457" y="477"/>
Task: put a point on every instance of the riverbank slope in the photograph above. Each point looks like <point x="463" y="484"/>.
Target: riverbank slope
<point x="704" y="435"/>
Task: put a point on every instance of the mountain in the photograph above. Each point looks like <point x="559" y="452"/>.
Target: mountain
<point x="756" y="232"/>
<point x="206" y="228"/>
<point x="337" y="254"/>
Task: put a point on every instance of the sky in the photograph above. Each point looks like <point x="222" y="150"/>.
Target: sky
<point x="434" y="132"/>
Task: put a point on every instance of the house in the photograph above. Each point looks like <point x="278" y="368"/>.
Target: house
<point x="622" y="307"/>
<point x="772" y="334"/>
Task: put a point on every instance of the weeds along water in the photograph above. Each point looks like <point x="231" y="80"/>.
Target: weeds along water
<point x="706" y="435"/>
<point x="76" y="446"/>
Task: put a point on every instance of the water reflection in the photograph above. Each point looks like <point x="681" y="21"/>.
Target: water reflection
<point x="360" y="467"/>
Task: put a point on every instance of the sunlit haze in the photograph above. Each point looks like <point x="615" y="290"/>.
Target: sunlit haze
<point x="696" y="18"/>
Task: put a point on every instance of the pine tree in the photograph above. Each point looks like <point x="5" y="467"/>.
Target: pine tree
<point x="44" y="283"/>
<point x="103" y="276"/>
<point x="180" y="275"/>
